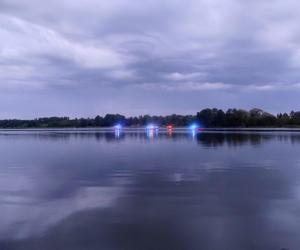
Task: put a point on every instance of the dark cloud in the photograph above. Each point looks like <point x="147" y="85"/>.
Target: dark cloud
<point x="232" y="52"/>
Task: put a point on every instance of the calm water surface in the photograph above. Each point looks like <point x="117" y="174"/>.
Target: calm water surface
<point x="146" y="191"/>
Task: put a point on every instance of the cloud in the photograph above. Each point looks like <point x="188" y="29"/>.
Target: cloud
<point x="176" y="76"/>
<point x="192" y="45"/>
<point x="188" y="86"/>
<point x="25" y="39"/>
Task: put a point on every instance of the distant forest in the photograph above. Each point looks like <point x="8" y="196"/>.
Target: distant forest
<point x="211" y="118"/>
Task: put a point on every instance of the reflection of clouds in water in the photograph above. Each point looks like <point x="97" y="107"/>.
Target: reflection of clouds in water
<point x="133" y="195"/>
<point x="33" y="199"/>
<point x="235" y="208"/>
<point x="26" y="216"/>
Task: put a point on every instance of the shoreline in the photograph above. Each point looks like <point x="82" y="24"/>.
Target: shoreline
<point x="128" y="129"/>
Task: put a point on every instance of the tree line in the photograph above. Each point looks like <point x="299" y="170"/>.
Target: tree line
<point x="207" y="118"/>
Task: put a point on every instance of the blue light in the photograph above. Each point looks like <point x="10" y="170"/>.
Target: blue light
<point x="118" y="126"/>
<point x="117" y="133"/>
<point x="194" y="126"/>
<point x="150" y="133"/>
<point x="151" y="127"/>
<point x="118" y="129"/>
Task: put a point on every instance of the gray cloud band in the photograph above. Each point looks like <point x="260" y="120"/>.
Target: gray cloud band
<point x="191" y="46"/>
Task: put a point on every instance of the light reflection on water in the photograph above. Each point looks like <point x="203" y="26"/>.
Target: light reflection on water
<point x="132" y="190"/>
<point x="117" y="133"/>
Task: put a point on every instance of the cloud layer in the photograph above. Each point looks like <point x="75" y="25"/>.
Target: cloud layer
<point x="84" y="58"/>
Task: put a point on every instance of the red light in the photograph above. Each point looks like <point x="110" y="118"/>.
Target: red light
<point x="169" y="126"/>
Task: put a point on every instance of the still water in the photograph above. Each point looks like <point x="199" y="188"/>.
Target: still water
<point x="133" y="190"/>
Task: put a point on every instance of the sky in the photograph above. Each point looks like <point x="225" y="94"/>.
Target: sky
<point x="84" y="58"/>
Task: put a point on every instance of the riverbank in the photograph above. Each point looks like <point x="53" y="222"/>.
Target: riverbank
<point x="92" y="129"/>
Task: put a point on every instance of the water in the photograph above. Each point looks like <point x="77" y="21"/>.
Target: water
<point x="140" y="191"/>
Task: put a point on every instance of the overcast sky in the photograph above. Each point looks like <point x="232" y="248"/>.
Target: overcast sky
<point x="82" y="58"/>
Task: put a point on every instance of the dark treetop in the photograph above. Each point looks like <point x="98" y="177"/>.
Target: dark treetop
<point x="206" y="117"/>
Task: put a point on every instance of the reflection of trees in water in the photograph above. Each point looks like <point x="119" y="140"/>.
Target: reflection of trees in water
<point x="211" y="139"/>
<point x="231" y="139"/>
<point x="238" y="139"/>
<point x="295" y="139"/>
<point x="204" y="138"/>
